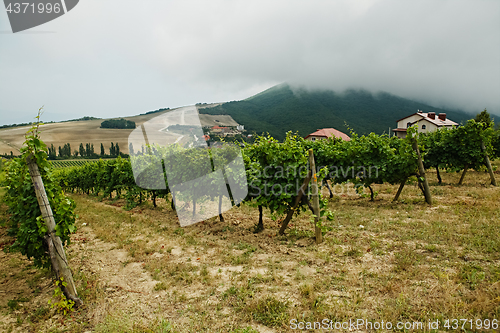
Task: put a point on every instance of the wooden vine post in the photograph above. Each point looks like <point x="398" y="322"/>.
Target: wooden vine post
<point x="462" y="177"/>
<point x="400" y="189"/>
<point x="488" y="164"/>
<point x="315" y="198"/>
<point x="421" y="171"/>
<point x="56" y="250"/>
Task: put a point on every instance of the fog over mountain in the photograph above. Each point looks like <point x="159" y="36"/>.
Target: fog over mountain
<point x="117" y="58"/>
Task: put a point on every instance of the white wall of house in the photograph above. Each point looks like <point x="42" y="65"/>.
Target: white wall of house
<point x="429" y="127"/>
<point x="400" y="135"/>
<point x="411" y="119"/>
<point x="314" y="138"/>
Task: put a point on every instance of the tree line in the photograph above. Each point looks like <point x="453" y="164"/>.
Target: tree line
<point x="84" y="151"/>
<point x="118" y="123"/>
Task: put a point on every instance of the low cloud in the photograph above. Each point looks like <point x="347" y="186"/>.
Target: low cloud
<point x="117" y="58"/>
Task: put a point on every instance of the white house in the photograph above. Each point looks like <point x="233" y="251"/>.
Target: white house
<point x="427" y="122"/>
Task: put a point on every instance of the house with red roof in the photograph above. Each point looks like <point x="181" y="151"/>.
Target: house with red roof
<point x="427" y="122"/>
<point x="219" y="129"/>
<point x="327" y="133"/>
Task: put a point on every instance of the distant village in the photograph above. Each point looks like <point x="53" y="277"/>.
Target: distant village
<point x="226" y="133"/>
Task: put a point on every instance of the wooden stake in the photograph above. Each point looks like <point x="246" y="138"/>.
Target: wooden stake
<point x="438" y="175"/>
<point x="56" y="250"/>
<point x="315" y="197"/>
<point x="488" y="164"/>
<point x="463" y="175"/>
<point x="221" y="218"/>
<point x="421" y="171"/>
<point x="400" y="189"/>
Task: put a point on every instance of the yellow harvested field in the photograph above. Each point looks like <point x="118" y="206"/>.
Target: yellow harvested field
<point x="76" y="132"/>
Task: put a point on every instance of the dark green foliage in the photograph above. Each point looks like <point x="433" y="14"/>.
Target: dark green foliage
<point x="458" y="148"/>
<point x="484" y="118"/>
<point x="84" y="118"/>
<point x="52" y="152"/>
<point x="82" y="150"/>
<point x="495" y="143"/>
<point x="26" y="223"/>
<point x="65" y="151"/>
<point x="281" y="109"/>
<point x="107" y="177"/>
<point x="118" y="123"/>
<point x="156" y="111"/>
<point x="112" y="149"/>
<point x="275" y="172"/>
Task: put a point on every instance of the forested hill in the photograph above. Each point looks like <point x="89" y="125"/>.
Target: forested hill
<point x="279" y="109"/>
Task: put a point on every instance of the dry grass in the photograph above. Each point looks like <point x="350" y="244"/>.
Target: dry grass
<point x="409" y="262"/>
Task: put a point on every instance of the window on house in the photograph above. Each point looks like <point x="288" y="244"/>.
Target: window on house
<point x="423" y="127"/>
<point x="313" y="139"/>
<point x="408" y="125"/>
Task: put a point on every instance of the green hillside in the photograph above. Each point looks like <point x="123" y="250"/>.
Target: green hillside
<point x="279" y="109"/>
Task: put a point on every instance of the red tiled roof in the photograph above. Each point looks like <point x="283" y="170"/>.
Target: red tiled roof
<point x="330" y="132"/>
<point x="438" y="122"/>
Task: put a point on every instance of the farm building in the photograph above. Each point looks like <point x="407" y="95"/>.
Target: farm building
<point x="427" y="122"/>
<point x="327" y="133"/>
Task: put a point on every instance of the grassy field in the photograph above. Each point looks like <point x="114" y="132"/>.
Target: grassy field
<point x="138" y="271"/>
<point x="76" y="132"/>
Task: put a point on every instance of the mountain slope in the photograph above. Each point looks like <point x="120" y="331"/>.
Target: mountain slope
<point x="282" y="108"/>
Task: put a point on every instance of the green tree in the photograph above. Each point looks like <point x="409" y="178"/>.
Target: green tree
<point x="118" y="123"/>
<point x="102" y="150"/>
<point x="87" y="149"/>
<point x="484" y="118"/>
<point x="52" y="152"/>
<point x="82" y="150"/>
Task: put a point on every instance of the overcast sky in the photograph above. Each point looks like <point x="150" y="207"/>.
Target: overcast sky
<point x="109" y="58"/>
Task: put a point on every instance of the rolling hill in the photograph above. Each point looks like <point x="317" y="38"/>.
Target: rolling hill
<point x="89" y="131"/>
<point x="283" y="108"/>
